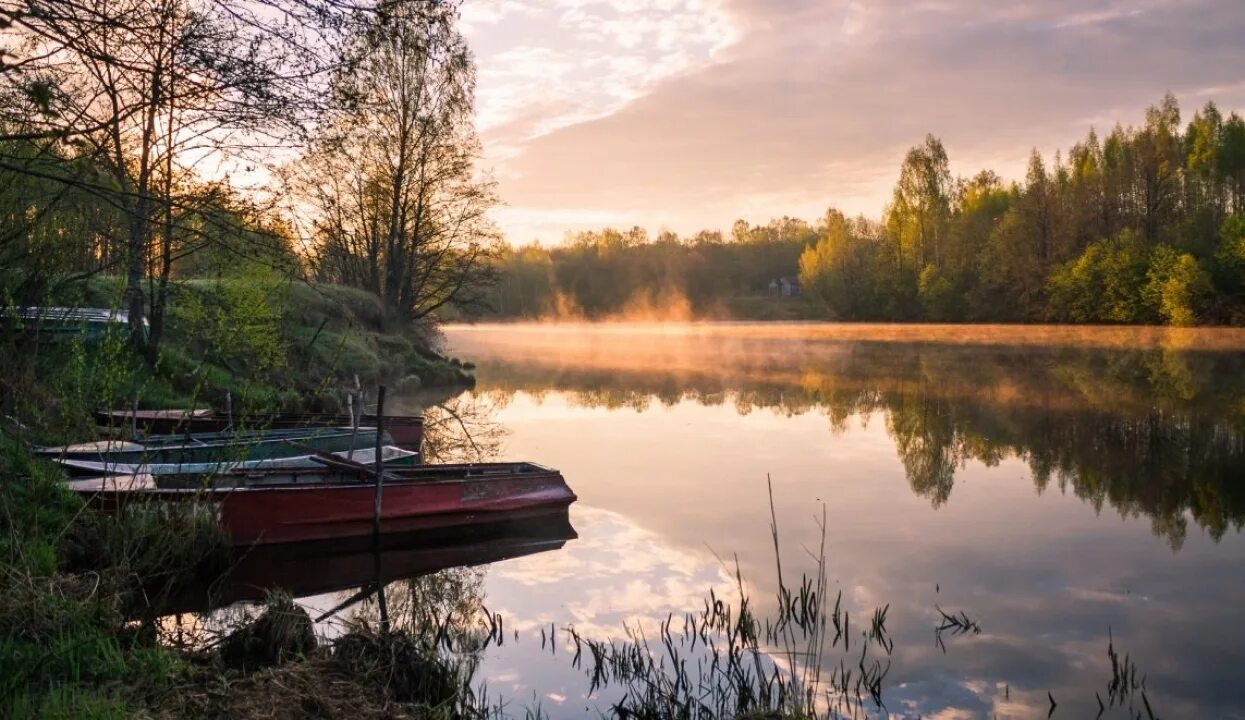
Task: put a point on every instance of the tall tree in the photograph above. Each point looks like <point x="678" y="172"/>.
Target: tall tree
<point x="922" y="204"/>
<point x="400" y="208"/>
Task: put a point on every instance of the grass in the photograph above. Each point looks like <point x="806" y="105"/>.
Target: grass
<point x="724" y="662"/>
<point x="79" y="594"/>
<point x="270" y="343"/>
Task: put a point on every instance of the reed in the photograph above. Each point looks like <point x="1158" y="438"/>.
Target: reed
<point x="952" y="625"/>
<point x="725" y="661"/>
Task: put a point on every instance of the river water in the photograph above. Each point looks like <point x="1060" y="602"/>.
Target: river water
<point x="1064" y="490"/>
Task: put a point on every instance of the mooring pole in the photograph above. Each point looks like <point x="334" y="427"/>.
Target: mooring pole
<point x="354" y="403"/>
<point x="380" y="465"/>
<point x="380" y="472"/>
<point x="354" y="424"/>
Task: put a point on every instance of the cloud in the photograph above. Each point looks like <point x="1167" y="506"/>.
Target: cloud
<point x="687" y="115"/>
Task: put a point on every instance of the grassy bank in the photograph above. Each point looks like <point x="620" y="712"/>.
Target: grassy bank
<point x="82" y="594"/>
<point x="258" y="343"/>
<point x="83" y="632"/>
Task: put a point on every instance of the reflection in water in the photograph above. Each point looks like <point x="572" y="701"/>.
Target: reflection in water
<point x="338" y="579"/>
<point x="965" y="472"/>
<point x="461" y="429"/>
<point x="1149" y="428"/>
<point x="312" y="568"/>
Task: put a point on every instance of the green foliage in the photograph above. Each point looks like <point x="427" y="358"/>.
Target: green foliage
<point x="69" y="578"/>
<point x="616" y="274"/>
<point x="35" y="508"/>
<point x="1229" y="261"/>
<point x="236" y="324"/>
<point x="1177" y="288"/>
<point x="939" y="297"/>
<point x="1104" y="284"/>
<point x="918" y="216"/>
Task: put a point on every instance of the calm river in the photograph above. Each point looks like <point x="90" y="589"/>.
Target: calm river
<point x="1061" y="488"/>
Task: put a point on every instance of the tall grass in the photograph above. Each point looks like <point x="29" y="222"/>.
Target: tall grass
<point x="72" y="586"/>
<point x="724" y="662"/>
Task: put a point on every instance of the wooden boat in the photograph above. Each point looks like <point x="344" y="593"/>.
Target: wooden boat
<point x="322" y="566"/>
<point x="57" y="324"/>
<point x="405" y="431"/>
<point x="392" y="456"/>
<point x="214" y="450"/>
<point x="334" y="503"/>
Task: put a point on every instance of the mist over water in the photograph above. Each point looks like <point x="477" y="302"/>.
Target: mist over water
<point x="1060" y="485"/>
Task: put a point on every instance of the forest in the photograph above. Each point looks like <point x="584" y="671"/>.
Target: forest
<point x="1143" y="225"/>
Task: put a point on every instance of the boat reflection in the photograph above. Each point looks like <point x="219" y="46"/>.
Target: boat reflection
<point x="313" y="568"/>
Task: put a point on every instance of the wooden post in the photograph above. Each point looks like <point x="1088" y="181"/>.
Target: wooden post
<point x="134" y="419"/>
<point x="381" y="603"/>
<point x="354" y="403"/>
<point x="380" y="465"/>
<point x="354" y="425"/>
<point x="229" y="407"/>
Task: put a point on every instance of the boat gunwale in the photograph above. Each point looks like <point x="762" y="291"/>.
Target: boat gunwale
<point x="288" y="435"/>
<point x="394" y="478"/>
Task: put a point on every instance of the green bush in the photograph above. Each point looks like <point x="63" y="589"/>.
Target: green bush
<point x="1177" y="289"/>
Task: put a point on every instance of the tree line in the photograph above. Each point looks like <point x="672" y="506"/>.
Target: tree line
<point x="597" y="274"/>
<point x="1144" y="225"/>
<point x="162" y="140"/>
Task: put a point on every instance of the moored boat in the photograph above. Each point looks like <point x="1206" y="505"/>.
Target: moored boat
<point x="57" y="324"/>
<point x="212" y="451"/>
<point x="405" y="431"/>
<point x="332" y="503"/>
<point x="194" y="472"/>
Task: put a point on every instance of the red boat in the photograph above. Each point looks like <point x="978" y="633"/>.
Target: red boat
<point x="321" y="504"/>
<point x="406" y="431"/>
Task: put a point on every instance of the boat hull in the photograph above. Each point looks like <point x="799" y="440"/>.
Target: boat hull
<point x="418" y="500"/>
<point x="405" y="431"/>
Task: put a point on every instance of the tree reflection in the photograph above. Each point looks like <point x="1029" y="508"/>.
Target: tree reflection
<point x="462" y="429"/>
<point x="1155" y="431"/>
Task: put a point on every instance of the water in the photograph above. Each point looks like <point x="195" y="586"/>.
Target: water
<point x="1060" y="486"/>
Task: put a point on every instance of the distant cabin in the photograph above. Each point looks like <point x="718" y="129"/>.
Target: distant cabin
<point x="784" y="287"/>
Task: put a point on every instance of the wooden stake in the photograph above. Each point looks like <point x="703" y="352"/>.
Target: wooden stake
<point x="381" y="603"/>
<point x="354" y="425"/>
<point x="380" y="465"/>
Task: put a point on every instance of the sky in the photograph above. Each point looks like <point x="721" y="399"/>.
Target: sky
<point x="688" y="114"/>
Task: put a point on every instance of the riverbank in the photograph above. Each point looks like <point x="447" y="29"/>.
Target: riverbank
<point x="254" y="345"/>
<point x="83" y="596"/>
<point x="85" y="630"/>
